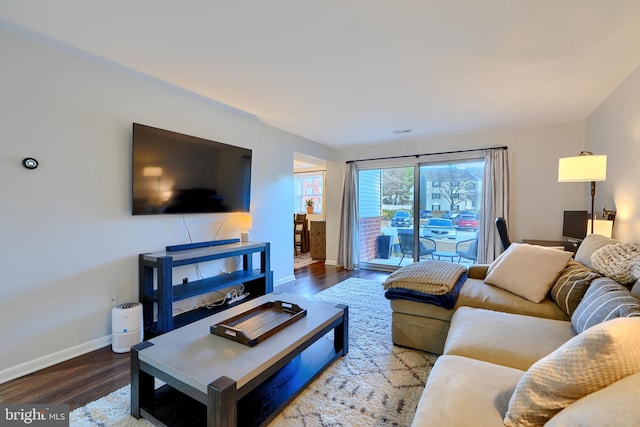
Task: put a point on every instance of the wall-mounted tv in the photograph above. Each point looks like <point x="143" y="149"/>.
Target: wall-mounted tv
<point x="175" y="173"/>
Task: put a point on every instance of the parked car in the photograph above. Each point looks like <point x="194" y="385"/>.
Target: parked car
<point x="425" y="214"/>
<point x="467" y="222"/>
<point x="451" y="215"/>
<point x="439" y="228"/>
<point x="402" y="219"/>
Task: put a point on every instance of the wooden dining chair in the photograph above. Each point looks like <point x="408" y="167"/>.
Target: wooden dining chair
<point x="299" y="230"/>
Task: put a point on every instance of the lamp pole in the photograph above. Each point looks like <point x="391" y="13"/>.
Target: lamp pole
<point x="593" y="203"/>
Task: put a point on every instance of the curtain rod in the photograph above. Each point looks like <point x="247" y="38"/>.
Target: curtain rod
<point x="504" y="147"/>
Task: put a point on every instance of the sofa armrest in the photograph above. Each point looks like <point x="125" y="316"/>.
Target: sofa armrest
<point x="478" y="271"/>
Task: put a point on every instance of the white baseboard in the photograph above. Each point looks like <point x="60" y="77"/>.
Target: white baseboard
<point x="284" y="281"/>
<point x="52" y="359"/>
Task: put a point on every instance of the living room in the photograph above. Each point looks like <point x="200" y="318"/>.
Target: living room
<point x="70" y="239"/>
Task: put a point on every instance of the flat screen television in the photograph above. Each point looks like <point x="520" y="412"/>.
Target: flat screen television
<point x="175" y="173"/>
<point x="574" y="224"/>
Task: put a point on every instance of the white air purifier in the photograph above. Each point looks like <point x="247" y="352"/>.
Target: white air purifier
<point x="126" y="326"/>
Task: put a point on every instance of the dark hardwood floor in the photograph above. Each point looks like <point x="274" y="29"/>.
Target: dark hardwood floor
<point x="86" y="378"/>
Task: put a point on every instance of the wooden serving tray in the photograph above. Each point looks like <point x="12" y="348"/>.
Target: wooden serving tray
<point x="256" y="325"/>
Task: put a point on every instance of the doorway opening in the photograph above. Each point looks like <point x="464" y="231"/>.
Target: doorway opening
<point x="309" y="178"/>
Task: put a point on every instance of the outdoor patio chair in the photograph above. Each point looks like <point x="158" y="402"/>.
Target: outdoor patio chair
<point x="405" y="237"/>
<point x="467" y="249"/>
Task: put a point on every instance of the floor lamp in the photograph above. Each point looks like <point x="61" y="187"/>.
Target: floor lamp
<point x="584" y="168"/>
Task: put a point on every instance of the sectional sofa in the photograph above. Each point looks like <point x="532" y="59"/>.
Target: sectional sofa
<point x="536" y="338"/>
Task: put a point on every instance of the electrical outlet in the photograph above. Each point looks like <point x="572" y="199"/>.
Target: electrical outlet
<point x="113" y="299"/>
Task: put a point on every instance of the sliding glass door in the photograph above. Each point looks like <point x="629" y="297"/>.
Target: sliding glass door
<point x="440" y="202"/>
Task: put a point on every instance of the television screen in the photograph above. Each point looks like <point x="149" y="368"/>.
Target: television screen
<point x="177" y="174"/>
<point x="574" y="224"/>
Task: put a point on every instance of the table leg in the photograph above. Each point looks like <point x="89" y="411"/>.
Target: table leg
<point x="222" y="407"/>
<point x="142" y="390"/>
<point x="341" y="332"/>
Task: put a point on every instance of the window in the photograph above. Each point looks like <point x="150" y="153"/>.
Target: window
<point x="308" y="185"/>
<point x="388" y="190"/>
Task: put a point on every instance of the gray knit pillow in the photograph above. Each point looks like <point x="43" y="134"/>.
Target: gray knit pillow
<point x="572" y="285"/>
<point x="605" y="299"/>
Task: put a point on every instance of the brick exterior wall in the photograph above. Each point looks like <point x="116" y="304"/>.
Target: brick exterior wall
<point x="369" y="230"/>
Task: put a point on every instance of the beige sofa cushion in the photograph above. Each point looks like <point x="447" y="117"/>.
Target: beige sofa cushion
<point x="592" y="360"/>
<point x="423" y="333"/>
<point x="420" y="309"/>
<point x="616" y="405"/>
<point x="463" y="392"/>
<point x="476" y="293"/>
<point x="506" y="339"/>
<point x="527" y="270"/>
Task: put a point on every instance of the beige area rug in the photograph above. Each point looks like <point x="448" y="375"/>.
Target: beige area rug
<point x="375" y="384"/>
<point x="303" y="260"/>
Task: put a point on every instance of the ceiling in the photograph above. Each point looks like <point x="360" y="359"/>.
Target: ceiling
<point x="343" y="72"/>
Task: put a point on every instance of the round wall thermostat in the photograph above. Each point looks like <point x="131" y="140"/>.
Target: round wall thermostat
<point x="30" y="163"/>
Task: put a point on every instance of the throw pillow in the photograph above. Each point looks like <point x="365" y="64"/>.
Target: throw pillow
<point x="528" y="270"/>
<point x="496" y="261"/>
<point x="604" y="300"/>
<point x="585" y="364"/>
<point x="635" y="289"/>
<point x="617" y="261"/>
<point x="589" y="245"/>
<point x="571" y="286"/>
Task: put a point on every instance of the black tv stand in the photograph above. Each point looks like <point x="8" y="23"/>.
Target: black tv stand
<point x="162" y="292"/>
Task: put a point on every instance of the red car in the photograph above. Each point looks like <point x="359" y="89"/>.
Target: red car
<point x="467" y="221"/>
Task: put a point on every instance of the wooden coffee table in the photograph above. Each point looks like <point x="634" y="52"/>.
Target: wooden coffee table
<point x="211" y="380"/>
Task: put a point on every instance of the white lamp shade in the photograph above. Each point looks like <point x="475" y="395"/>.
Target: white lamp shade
<point x="602" y="227"/>
<point x="582" y="168"/>
<point x="242" y="221"/>
<point x="245" y="221"/>
<point x="152" y="171"/>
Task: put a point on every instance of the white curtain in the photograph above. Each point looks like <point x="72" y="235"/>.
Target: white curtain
<point x="495" y="199"/>
<point x="348" y="237"/>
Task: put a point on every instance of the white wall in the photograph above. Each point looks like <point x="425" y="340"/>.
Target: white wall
<point x="537" y="199"/>
<point x="614" y="129"/>
<point x="68" y="238"/>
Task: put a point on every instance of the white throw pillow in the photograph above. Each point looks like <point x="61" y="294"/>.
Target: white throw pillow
<point x="528" y="270"/>
<point x="588" y="362"/>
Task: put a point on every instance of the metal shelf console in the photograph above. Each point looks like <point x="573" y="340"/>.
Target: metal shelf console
<point x="257" y="281"/>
